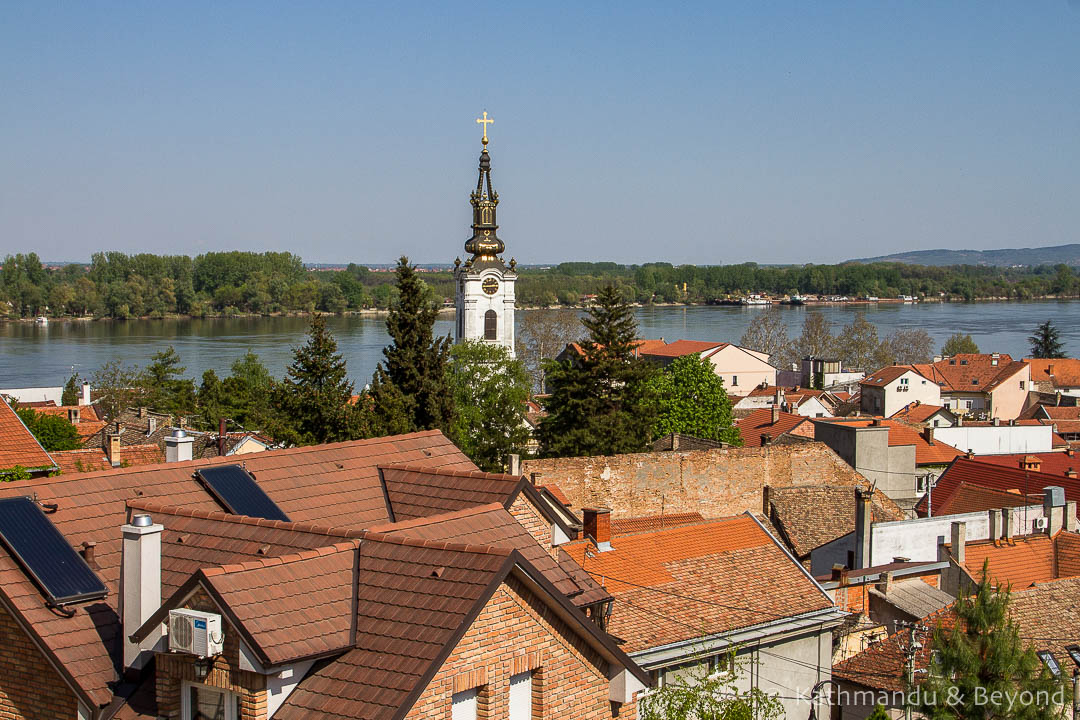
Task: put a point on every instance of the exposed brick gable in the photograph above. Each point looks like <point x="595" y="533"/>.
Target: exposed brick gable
<point x="30" y="688"/>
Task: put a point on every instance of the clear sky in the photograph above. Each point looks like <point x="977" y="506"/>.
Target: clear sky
<point x="708" y="132"/>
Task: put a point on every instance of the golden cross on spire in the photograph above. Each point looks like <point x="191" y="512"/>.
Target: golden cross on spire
<point x="485" y="121"/>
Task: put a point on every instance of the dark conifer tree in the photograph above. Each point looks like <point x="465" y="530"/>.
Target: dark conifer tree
<point x="599" y="401"/>
<point x="70" y="395"/>
<point x="313" y="400"/>
<point x="411" y="389"/>
<point x="1046" y="342"/>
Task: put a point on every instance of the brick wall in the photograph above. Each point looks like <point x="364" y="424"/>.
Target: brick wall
<point x="174" y="669"/>
<point x="715" y="483"/>
<point x="30" y="688"/>
<point x="537" y="525"/>
<point x="513" y="633"/>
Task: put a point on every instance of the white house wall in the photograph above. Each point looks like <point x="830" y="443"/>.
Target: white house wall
<point x="998" y="440"/>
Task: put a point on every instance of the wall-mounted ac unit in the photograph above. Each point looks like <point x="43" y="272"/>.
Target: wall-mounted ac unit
<point x="195" y="632"/>
<point x="1041" y="523"/>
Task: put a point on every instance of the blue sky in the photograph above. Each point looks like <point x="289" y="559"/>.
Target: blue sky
<point x="688" y="132"/>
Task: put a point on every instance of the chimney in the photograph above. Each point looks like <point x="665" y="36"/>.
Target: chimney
<point x="674" y="441"/>
<point x="1069" y="452"/>
<point x="119" y="427"/>
<point x="151" y="425"/>
<point x="997" y="422"/>
<point x="513" y="464"/>
<point x="597" y="524"/>
<point x="863" y="518"/>
<point x="221" y="439"/>
<point x="73" y="415"/>
<point x="181" y="422"/>
<point x="839" y="574"/>
<point x="112" y="449"/>
<point x="84" y="399"/>
<point x="884" y="583"/>
<point x="775" y="414"/>
<point x="959" y="539"/>
<point x="928" y="435"/>
<point x="140" y="586"/>
<point x="532" y="478"/>
<point x="178" y="446"/>
<point x="142" y="411"/>
<point x="959" y="419"/>
<point x="1007" y="523"/>
<point x="1050" y="369"/>
<point x="766" y="502"/>
<point x="1071" y="473"/>
<point x="1054" y="508"/>
<point x="88" y="548"/>
<point x="1070" y="516"/>
<point x="970" y="454"/>
<point x="995" y="524"/>
<point x="876" y="422"/>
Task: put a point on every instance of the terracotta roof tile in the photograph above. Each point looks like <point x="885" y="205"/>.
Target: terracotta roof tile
<point x="1066" y="371"/>
<point x="971" y="372"/>
<point x="416" y="492"/>
<point x="679" y="348"/>
<point x="969" y="497"/>
<point x="808" y="516"/>
<point x="886" y="375"/>
<point x="18" y="446"/>
<point x="759" y="423"/>
<point x="990" y="475"/>
<point x="916" y="412"/>
<point x="1029" y="560"/>
<point x="649" y="523"/>
<point x="656" y="576"/>
<point x="1051" y="463"/>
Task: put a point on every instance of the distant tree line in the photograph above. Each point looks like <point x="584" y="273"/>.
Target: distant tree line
<point x="117" y="285"/>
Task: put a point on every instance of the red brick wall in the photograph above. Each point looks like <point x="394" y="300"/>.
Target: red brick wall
<point x="29" y="686"/>
<point x="531" y="519"/>
<point x="174" y="669"/>
<point x="513" y="633"/>
<point x="715" y="483"/>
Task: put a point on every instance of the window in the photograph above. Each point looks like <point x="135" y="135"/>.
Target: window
<point x="969" y="404"/>
<point x="903" y="381"/>
<point x="1021" y="384"/>
<point x="491" y="325"/>
<point x="974" y="381"/>
<point x="963" y="362"/>
<point x="463" y="704"/>
<point x="1074" y="653"/>
<point x="202" y="702"/>
<point x="1050" y="662"/>
<point x="521" y="696"/>
<point x="734" y="380"/>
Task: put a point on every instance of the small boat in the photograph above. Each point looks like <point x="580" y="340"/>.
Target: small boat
<point x="41" y="320"/>
<point x="756" y="300"/>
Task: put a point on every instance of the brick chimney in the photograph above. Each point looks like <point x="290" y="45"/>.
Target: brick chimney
<point x="876" y="422"/>
<point x="970" y="454"/>
<point x="140" y="585"/>
<point x="142" y="411"/>
<point x="959" y="540"/>
<point x="221" y="439"/>
<point x="597" y="524"/>
<point x="1071" y="473"/>
<point x="928" y="435"/>
<point x="775" y="414"/>
<point x="112" y="449"/>
<point x="1008" y="524"/>
<point x="766" y="502"/>
<point x="1050" y="369"/>
<point x="151" y="425"/>
<point x="1030" y="462"/>
<point x="864" y="516"/>
<point x="884" y="583"/>
<point x="73" y="415"/>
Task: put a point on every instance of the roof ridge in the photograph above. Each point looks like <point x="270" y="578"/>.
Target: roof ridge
<point x="411" y="467"/>
<point x="289" y="559"/>
<point x="474" y="548"/>
<point x="179" y="511"/>
<point x="390" y="527"/>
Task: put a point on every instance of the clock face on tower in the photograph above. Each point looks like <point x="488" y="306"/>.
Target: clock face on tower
<point x="490" y="285"/>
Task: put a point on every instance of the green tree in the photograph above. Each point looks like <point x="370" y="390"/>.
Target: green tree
<point x="164" y="388"/>
<point x="1046" y="342"/>
<point x="411" y="390"/>
<point x="70" y="395"/>
<point x="982" y="654"/>
<point x="599" y="403"/>
<point x="116" y="386"/>
<point x="702" y="693"/>
<point x="54" y="433"/>
<point x="689" y="398"/>
<point x="879" y="713"/>
<point x="314" y="398"/>
<point x="490" y="391"/>
<point x="959" y="343"/>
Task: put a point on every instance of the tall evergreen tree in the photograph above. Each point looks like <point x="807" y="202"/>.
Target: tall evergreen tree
<point x="70" y="395"/>
<point x="411" y="389"/>
<point x="164" y="388"/>
<point x="314" y="399"/>
<point x="599" y="402"/>
<point x="1046" y="342"/>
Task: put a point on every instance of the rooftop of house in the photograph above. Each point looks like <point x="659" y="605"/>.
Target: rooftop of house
<point x="914" y="597"/>
<point x="93" y="459"/>
<point x="1051" y="463"/>
<point x="927" y="452"/>
<point x="971" y="372"/>
<point x="809" y="516"/>
<point x="18" y="446"/>
<point x="886" y="375"/>
<point x="1026" y="560"/>
<point x="999" y="477"/>
<point x="760" y="422"/>
<point x="968" y="497"/>
<point x="642" y="346"/>
<point x="1059" y="372"/>
<point x="679" y="348"/>
<point x="722" y="575"/>
<point x="918" y="413"/>
<point x="647" y="523"/>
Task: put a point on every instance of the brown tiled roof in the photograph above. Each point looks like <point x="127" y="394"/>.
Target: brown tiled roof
<point x="648" y="523"/>
<point x="881" y="666"/>
<point x="808" y="516"/>
<point x="1066" y="371"/>
<point x="662" y="579"/>
<point x="556" y="492"/>
<point x="493" y="525"/>
<point x="969" y="497"/>
<point x="415" y="492"/>
<point x="94" y="459"/>
<point x="1027" y="560"/>
<point x="86" y="412"/>
<point x="18" y="446"/>
<point x="886" y="375"/>
<point x="679" y="348"/>
<point x="759" y="423"/>
<point x="971" y="372"/>
<point x="916" y="412"/>
<point x="984" y="474"/>
<point x="677" y="441"/>
<point x="1051" y="463"/>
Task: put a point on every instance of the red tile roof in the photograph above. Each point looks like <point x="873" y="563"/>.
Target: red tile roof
<point x="679" y="348"/>
<point x="968" y="497"/>
<point x="18" y="446"/>
<point x="1066" y="371"/>
<point x="971" y="372"/>
<point x="984" y="474"/>
<point x="416" y="492"/>
<point x="87" y="413"/>
<point x="886" y="375"/>
<point x="759" y="423"/>
<point x="649" y="523"/>
<point x="809" y="516"/>
<point x="1051" y="463"/>
<point x="665" y="581"/>
<point x="917" y="412"/>
<point x="1029" y="560"/>
<point x="900" y="433"/>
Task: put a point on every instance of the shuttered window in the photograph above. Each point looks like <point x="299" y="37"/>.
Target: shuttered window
<point x="521" y="696"/>
<point x="463" y="705"/>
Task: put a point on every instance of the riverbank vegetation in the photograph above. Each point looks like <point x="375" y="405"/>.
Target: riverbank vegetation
<point x="116" y="285"/>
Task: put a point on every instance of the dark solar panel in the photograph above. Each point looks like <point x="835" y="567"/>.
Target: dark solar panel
<point x="46" y="555"/>
<point x="238" y="493"/>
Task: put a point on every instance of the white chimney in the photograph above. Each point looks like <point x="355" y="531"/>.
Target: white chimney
<point x="151" y="425"/>
<point x="85" y="398"/>
<point x="178" y="446"/>
<point x="140" y="586"/>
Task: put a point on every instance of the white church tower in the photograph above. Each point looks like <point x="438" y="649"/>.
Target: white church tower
<point x="485" y="286"/>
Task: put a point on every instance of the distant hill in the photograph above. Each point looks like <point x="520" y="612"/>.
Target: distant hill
<point x="1068" y="254"/>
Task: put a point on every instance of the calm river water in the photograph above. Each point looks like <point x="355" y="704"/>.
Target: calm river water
<point x="35" y="356"/>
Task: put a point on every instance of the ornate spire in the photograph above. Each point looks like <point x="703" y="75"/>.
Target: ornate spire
<point x="484" y="244"/>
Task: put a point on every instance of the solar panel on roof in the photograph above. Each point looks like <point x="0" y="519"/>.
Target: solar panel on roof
<point x="45" y="555"/>
<point x="238" y="492"/>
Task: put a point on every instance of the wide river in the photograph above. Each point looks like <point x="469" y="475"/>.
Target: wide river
<point x="32" y="356"/>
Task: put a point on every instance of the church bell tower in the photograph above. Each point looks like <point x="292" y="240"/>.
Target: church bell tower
<point x="485" y="286"/>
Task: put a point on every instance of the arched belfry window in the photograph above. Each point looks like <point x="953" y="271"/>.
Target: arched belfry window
<point x="491" y="325"/>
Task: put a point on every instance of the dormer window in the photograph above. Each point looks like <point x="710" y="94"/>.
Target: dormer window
<point x="974" y="381"/>
<point x="963" y="362"/>
<point x="952" y="361"/>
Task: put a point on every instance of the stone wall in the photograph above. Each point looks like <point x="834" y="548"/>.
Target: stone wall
<point x="715" y="483"/>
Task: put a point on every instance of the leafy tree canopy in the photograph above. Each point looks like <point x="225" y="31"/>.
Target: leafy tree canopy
<point x="959" y="343"/>
<point x="54" y="433"/>
<point x="702" y="693"/>
<point x="689" y="398"/>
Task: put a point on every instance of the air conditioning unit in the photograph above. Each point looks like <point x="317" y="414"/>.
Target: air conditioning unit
<point x="195" y="632"/>
<point x="1041" y="523"/>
